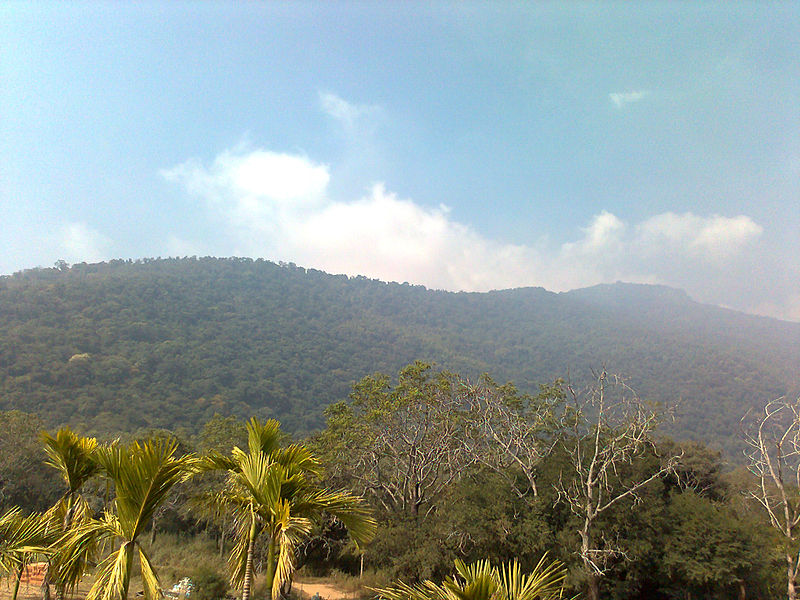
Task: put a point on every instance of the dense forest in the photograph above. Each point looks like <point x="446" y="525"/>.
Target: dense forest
<point x="171" y="342"/>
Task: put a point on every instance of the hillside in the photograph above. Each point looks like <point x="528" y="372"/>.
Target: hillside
<point x="166" y="343"/>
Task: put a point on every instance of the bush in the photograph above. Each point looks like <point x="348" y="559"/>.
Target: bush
<point x="208" y="584"/>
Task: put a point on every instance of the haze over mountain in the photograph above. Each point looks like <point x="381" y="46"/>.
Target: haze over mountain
<point x="169" y="342"/>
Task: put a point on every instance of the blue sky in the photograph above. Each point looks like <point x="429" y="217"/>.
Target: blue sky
<point x="460" y="146"/>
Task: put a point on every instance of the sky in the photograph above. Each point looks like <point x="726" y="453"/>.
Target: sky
<point x="461" y="146"/>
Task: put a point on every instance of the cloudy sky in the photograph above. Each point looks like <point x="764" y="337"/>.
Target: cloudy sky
<point x="460" y="146"/>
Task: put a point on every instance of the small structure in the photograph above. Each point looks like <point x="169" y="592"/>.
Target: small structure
<point x="34" y="574"/>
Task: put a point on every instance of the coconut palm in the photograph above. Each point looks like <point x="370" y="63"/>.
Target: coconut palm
<point x="482" y="581"/>
<point x="73" y="456"/>
<point x="271" y="492"/>
<point x="143" y="475"/>
<point x="21" y="539"/>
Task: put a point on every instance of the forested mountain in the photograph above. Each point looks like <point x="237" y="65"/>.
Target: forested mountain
<point x="167" y="343"/>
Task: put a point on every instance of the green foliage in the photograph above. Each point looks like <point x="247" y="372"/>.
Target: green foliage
<point x="271" y="492"/>
<point x="22" y="537"/>
<point x="143" y="474"/>
<point x="24" y="478"/>
<point x="482" y="581"/>
<point x="72" y="456"/>
<point x="708" y="546"/>
<point x="169" y="343"/>
<point x="208" y="584"/>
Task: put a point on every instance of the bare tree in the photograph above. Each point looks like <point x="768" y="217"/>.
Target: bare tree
<point x="773" y="453"/>
<point x="512" y="434"/>
<point x="605" y="428"/>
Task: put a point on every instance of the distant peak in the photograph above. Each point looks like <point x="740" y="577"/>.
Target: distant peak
<point x="631" y="292"/>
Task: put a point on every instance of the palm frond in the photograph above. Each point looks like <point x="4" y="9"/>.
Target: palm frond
<point x="290" y="531"/>
<point x="72" y="456"/>
<point x="215" y="461"/>
<point x="261" y="478"/>
<point x="143" y="475"/>
<point x="350" y="509"/>
<point x="69" y="563"/>
<point x="79" y="545"/>
<point x="237" y="561"/>
<point x="426" y="590"/>
<point x="22" y="537"/>
<point x="545" y="582"/>
<point x="150" y="583"/>
<point x="298" y="460"/>
<point x="113" y="575"/>
<point x="482" y="581"/>
<point x="263" y="437"/>
<point x="478" y="581"/>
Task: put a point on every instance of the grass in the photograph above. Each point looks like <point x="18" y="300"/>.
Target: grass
<point x="176" y="556"/>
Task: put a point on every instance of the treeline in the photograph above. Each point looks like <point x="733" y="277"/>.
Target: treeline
<point x="465" y="468"/>
<point x="167" y="343"/>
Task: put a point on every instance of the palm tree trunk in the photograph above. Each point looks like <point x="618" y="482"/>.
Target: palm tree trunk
<point x="153" y="531"/>
<point x="222" y="539"/>
<point x="46" y="583"/>
<point x="272" y="563"/>
<point x="16" y="583"/>
<point x="248" y="569"/>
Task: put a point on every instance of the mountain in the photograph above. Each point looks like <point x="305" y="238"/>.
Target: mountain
<point x="168" y="342"/>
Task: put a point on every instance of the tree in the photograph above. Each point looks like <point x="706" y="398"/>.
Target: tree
<point x="143" y="474"/>
<point x="21" y="538"/>
<point x="73" y="457"/>
<point x="24" y="480"/>
<point x="708" y="546"/>
<point x="219" y="435"/>
<point x="773" y="453"/>
<point x="401" y="446"/>
<point x="271" y="492"/>
<point x="513" y="434"/>
<point x="482" y="581"/>
<point x="605" y="428"/>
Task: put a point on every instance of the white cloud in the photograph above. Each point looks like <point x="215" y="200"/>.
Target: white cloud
<point x="77" y="242"/>
<point x="349" y="115"/>
<point x="604" y="234"/>
<point x="621" y="99"/>
<point x="277" y="206"/>
<point x="714" y="237"/>
<point x="251" y="175"/>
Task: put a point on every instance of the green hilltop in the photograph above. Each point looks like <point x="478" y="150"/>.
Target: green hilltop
<point x="170" y="342"/>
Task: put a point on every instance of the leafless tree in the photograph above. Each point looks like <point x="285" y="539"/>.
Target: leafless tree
<point x="773" y="453"/>
<point x="512" y="434"/>
<point x="606" y="427"/>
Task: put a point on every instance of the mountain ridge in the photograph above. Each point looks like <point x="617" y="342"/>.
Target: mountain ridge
<point x="168" y="342"/>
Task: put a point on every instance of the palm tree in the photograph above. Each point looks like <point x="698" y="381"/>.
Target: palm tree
<point x="482" y="581"/>
<point x="21" y="538"/>
<point x="143" y="475"/>
<point x="73" y="456"/>
<point x="271" y="492"/>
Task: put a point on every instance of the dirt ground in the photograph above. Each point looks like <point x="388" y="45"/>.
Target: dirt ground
<point x="34" y="592"/>
<point x="326" y="591"/>
<point x="305" y="590"/>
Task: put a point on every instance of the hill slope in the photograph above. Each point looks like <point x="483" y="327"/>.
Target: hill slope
<point x="166" y="343"/>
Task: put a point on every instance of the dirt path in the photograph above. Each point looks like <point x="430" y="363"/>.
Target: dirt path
<point x="325" y="590"/>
